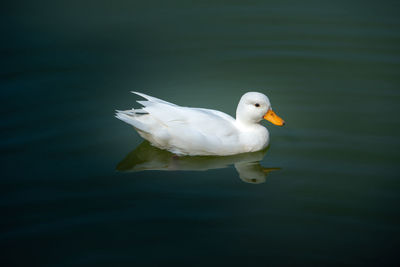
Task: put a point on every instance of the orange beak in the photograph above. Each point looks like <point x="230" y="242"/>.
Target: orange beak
<point x="273" y="118"/>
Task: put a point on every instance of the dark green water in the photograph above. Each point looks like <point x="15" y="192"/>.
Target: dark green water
<point x="331" y="70"/>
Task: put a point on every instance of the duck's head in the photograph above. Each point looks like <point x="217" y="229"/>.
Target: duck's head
<point x="253" y="107"/>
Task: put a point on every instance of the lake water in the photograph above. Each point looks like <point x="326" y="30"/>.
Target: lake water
<point x="327" y="191"/>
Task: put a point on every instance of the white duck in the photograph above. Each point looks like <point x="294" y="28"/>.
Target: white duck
<point x="198" y="131"/>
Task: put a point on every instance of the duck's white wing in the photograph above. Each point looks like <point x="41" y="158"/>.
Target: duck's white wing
<point x="184" y="130"/>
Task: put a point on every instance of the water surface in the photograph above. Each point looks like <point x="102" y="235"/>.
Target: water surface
<point x="331" y="70"/>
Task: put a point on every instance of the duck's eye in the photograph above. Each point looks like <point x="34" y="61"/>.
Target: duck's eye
<point x="257" y="105"/>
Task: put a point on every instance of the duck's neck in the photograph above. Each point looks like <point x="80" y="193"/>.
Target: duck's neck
<point x="246" y="124"/>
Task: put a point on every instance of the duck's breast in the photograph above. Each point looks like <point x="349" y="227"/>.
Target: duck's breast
<point x="254" y="139"/>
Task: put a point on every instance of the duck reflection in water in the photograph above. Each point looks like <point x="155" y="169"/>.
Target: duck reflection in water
<point x="148" y="157"/>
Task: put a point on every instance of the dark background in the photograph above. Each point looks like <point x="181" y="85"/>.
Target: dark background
<point x="330" y="69"/>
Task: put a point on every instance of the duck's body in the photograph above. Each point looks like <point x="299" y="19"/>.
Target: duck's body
<point x="197" y="131"/>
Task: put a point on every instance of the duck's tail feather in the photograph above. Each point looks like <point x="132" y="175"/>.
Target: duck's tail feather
<point x="132" y="112"/>
<point x="138" y="118"/>
<point x="152" y="98"/>
<point x="130" y="117"/>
